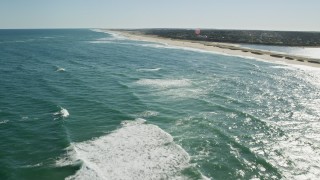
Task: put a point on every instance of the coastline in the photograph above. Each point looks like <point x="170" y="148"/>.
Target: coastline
<point x="223" y="48"/>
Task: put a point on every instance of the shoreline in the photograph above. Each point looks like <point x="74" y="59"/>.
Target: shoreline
<point x="223" y="48"/>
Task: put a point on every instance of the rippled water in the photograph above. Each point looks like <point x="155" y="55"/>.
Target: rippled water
<point x="83" y="104"/>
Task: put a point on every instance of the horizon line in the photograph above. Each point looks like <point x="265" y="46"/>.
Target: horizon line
<point x="226" y="29"/>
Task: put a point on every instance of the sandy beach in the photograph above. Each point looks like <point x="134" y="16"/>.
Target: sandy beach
<point x="224" y="48"/>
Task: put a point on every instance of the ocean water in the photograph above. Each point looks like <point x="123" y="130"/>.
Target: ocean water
<point x="311" y="52"/>
<point x="83" y="104"/>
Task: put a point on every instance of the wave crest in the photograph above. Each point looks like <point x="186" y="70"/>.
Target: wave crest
<point x="135" y="151"/>
<point x="4" y="121"/>
<point x="165" y="83"/>
<point x="63" y="113"/>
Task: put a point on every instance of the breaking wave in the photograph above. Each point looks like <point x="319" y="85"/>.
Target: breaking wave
<point x="135" y="151"/>
<point x="63" y="113"/>
<point x="60" y="69"/>
<point x="165" y="83"/>
<point x="4" y="121"/>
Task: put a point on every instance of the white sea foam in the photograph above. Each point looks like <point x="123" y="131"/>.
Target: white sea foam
<point x="98" y="30"/>
<point x="67" y="159"/>
<point x="157" y="46"/>
<point x="101" y="42"/>
<point x="63" y="113"/>
<point x="182" y="93"/>
<point x="166" y="46"/>
<point x="165" y="83"/>
<point x="305" y="68"/>
<point x="148" y="70"/>
<point x="135" y="151"/>
<point x="173" y="88"/>
<point x="107" y="40"/>
<point x="4" y="121"/>
<point x="24" y="118"/>
<point x="113" y="34"/>
<point x="59" y="69"/>
<point x="284" y="67"/>
<point x="116" y="35"/>
<point x="110" y="40"/>
<point x="20" y="41"/>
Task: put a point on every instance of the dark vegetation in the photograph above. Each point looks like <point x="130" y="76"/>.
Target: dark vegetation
<point x="285" y="38"/>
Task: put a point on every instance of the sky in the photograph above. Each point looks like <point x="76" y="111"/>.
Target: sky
<point x="292" y="15"/>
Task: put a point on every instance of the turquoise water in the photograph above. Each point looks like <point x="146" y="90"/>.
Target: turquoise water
<point x="83" y="104"/>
